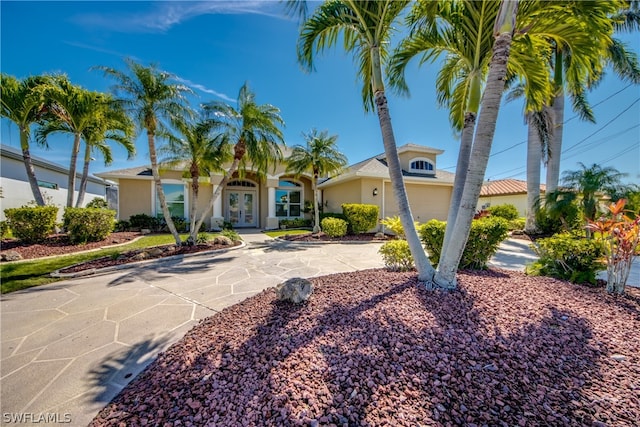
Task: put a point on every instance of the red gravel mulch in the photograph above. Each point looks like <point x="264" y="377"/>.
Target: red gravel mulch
<point x="59" y="244"/>
<point x="374" y="348"/>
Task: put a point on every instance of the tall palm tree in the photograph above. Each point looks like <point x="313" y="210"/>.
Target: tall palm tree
<point x="151" y="97"/>
<point x="201" y="152"/>
<point x="588" y="182"/>
<point x="574" y="73"/>
<point x="76" y="110"/>
<point x="503" y="31"/>
<point x="464" y="34"/>
<point x="366" y="28"/>
<point x="321" y="157"/>
<point x="111" y="124"/>
<point x="23" y="102"/>
<point x="254" y="131"/>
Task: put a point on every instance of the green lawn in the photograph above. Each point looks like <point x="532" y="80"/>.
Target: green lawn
<point x="21" y="275"/>
<point x="278" y="233"/>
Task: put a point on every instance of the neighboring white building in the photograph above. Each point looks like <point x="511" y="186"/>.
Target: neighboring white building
<point x="15" y="190"/>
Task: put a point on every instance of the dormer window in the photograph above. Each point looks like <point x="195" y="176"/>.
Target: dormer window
<point x="422" y="166"/>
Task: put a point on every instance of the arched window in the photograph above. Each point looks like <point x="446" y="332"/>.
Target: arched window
<point x="289" y="199"/>
<point x="241" y="183"/>
<point x="421" y="166"/>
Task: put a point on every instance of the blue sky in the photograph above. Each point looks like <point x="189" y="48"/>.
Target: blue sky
<point x="216" y="46"/>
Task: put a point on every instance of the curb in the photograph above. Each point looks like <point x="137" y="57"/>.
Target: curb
<point x="105" y="270"/>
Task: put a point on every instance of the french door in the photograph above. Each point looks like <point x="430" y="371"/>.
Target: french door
<point x="241" y="208"/>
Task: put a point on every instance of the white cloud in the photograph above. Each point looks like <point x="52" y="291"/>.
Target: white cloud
<point x="165" y="15"/>
<point x="205" y="89"/>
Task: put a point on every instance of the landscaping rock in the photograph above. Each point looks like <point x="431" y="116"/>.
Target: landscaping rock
<point x="222" y="240"/>
<point x="11" y="256"/>
<point x="141" y="256"/>
<point x="155" y="252"/>
<point x="295" y="290"/>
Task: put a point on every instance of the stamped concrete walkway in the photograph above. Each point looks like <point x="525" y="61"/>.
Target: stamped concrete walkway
<point x="68" y="348"/>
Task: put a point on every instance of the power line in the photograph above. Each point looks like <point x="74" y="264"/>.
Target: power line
<point x="590" y="146"/>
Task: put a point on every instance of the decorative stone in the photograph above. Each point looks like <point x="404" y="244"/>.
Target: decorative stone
<point x="295" y="290"/>
<point x="11" y="256"/>
<point x="145" y="231"/>
<point x="222" y="240"/>
<point x="155" y="251"/>
<point x="618" y="357"/>
<point x="141" y="256"/>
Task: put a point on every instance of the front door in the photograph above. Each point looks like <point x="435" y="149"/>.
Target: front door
<point x="241" y="208"/>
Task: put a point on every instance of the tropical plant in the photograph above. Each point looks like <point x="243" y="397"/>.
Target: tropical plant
<point x="254" y="131"/>
<point x="23" y="102"/>
<point x="366" y="28"/>
<point x="464" y="34"/>
<point x="489" y="107"/>
<point x="151" y="97"/>
<point x="620" y="238"/>
<point x="112" y="124"/>
<point x="321" y="157"/>
<point x="590" y="183"/>
<point x="574" y="72"/>
<point x="200" y="151"/>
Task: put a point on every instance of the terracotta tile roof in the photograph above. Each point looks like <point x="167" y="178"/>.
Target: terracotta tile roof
<point x="504" y="187"/>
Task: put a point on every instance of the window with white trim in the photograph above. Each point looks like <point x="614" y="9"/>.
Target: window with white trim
<point x="175" y="197"/>
<point x="421" y="166"/>
<point x="289" y="199"/>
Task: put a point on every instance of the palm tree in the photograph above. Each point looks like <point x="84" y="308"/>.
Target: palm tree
<point x="575" y="72"/>
<point x="489" y="107"/>
<point x="76" y="110"/>
<point x="203" y="152"/>
<point x="366" y="28"/>
<point x="465" y="35"/>
<point x="23" y="102"/>
<point x="111" y="124"/>
<point x="150" y="96"/>
<point x="591" y="181"/>
<point x="254" y="131"/>
<point x="321" y="157"/>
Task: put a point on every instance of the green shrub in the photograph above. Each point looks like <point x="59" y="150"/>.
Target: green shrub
<point x="295" y="223"/>
<point x="227" y="225"/>
<point x="334" y="227"/>
<point x="397" y="255"/>
<point x="97" y="203"/>
<point x="122" y="225"/>
<point x="179" y="222"/>
<point x="506" y="211"/>
<point x="141" y="221"/>
<point x="517" y="224"/>
<point x="485" y="236"/>
<point x="569" y="257"/>
<point x="232" y="234"/>
<point x="394" y="225"/>
<point x="361" y="217"/>
<point x="32" y="223"/>
<point x="4" y="229"/>
<point x="88" y="224"/>
<point x="202" y="239"/>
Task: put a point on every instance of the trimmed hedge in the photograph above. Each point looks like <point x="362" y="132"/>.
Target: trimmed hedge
<point x="88" y="224"/>
<point x="32" y="223"/>
<point x="361" y="217"/>
<point x="295" y="223"/>
<point x="141" y="221"/>
<point x="568" y="257"/>
<point x="506" y="211"/>
<point x="484" y="238"/>
<point x="334" y="227"/>
<point x="397" y="255"/>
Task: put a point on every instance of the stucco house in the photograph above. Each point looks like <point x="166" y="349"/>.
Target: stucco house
<point x="15" y="190"/>
<point x="251" y="201"/>
<point x="505" y="191"/>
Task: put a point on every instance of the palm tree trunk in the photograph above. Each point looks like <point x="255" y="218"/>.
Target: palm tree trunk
<point x="316" y="206"/>
<point x="239" y="151"/>
<point x="466" y="141"/>
<point x="153" y="157"/>
<point x="195" y="189"/>
<point x="71" y="186"/>
<point x="534" y="158"/>
<point x="85" y="176"/>
<point x="28" y="164"/>
<point x="490" y="106"/>
<point x="553" y="165"/>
